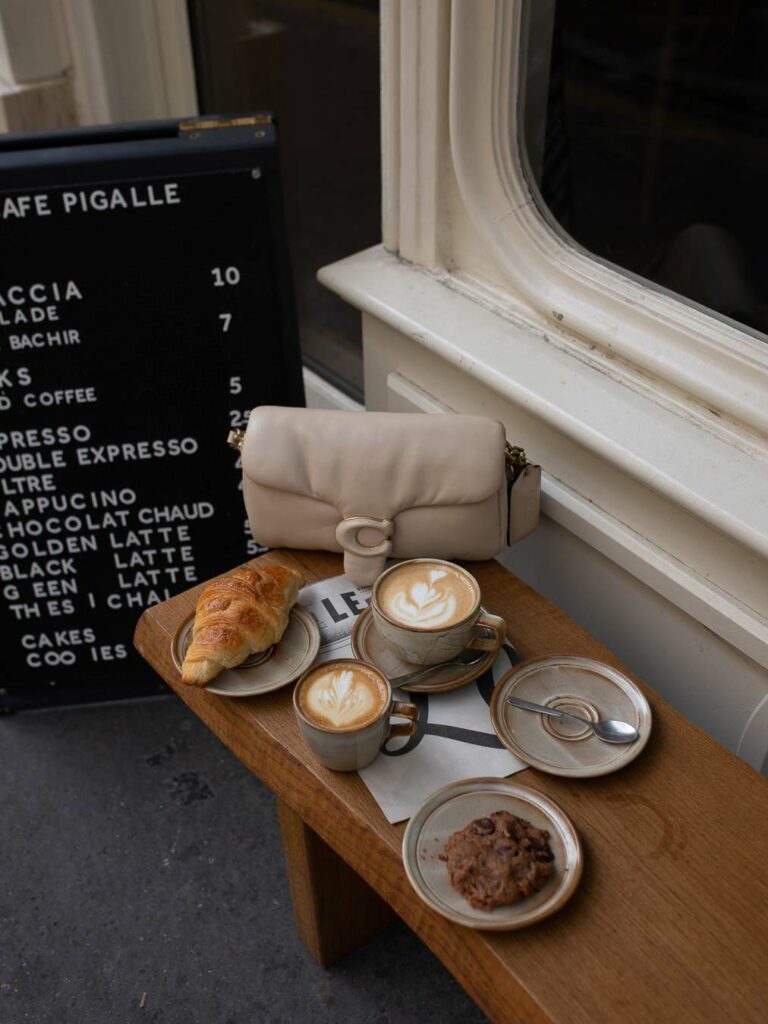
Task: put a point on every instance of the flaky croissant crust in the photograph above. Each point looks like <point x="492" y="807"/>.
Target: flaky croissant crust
<point x="237" y="616"/>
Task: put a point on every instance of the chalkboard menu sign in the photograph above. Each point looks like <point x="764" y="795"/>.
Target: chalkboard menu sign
<point x="145" y="306"/>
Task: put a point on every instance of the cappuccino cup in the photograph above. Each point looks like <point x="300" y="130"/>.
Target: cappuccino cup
<point x="428" y="611"/>
<point x="343" y="709"/>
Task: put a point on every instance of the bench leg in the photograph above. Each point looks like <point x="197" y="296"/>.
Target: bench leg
<point x="335" y="909"/>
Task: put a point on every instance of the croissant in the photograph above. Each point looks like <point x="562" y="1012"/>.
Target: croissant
<point x="237" y="616"/>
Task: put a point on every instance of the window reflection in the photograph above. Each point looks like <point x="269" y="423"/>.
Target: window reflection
<point x="645" y="132"/>
<point x="315" y="63"/>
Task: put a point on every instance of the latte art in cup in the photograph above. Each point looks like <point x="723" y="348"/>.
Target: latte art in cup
<point x="344" y="711"/>
<point x="342" y="696"/>
<point x="427" y="595"/>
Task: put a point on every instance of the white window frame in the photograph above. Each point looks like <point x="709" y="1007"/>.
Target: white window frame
<point x="665" y="482"/>
<point x="719" y="363"/>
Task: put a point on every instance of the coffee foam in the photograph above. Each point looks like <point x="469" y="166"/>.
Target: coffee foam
<point x="343" y="696"/>
<point x="426" y="596"/>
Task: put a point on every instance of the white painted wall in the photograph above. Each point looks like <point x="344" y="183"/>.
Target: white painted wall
<point x="706" y="679"/>
<point x="701" y="674"/>
<point x="641" y="409"/>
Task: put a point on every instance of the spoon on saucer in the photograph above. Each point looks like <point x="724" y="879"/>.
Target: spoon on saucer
<point x="464" y="660"/>
<point x="610" y="730"/>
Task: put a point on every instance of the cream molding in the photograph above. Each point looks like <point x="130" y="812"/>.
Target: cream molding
<point x="723" y="367"/>
<point x="720" y="529"/>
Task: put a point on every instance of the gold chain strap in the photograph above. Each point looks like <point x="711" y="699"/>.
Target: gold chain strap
<point x="235" y="439"/>
<point x="516" y="459"/>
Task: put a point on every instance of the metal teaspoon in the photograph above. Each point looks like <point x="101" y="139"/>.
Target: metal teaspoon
<point x="611" y="730"/>
<point x="465" y="660"/>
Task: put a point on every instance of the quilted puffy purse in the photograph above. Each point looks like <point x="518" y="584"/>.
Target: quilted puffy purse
<point x="375" y="485"/>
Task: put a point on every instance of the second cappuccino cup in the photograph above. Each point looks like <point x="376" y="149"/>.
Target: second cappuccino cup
<point x="428" y="611"/>
<point x="344" y="708"/>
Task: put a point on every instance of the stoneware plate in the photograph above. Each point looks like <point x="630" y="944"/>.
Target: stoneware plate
<point x="369" y="646"/>
<point x="583" y="687"/>
<point x="450" y="809"/>
<point x="270" y="669"/>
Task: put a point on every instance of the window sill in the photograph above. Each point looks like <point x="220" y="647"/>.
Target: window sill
<point x="674" y="501"/>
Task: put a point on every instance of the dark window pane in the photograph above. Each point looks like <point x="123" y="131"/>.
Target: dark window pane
<point x="316" y="65"/>
<point x="645" y="130"/>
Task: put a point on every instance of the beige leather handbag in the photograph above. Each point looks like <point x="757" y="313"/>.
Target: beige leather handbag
<point x="376" y="484"/>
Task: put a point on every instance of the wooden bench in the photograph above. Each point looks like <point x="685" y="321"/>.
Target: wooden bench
<point x="670" y="922"/>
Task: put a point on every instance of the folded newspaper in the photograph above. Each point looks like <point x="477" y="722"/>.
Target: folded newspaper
<point x="454" y="739"/>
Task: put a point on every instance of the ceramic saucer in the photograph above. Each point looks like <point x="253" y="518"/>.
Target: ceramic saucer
<point x="268" y="670"/>
<point x="450" y="809"/>
<point x="583" y="687"/>
<point x="369" y="646"/>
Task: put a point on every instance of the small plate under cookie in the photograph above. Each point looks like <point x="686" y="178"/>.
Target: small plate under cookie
<point x="368" y="645"/>
<point x="582" y="687"/>
<point x="452" y="808"/>
<point x="268" y="670"/>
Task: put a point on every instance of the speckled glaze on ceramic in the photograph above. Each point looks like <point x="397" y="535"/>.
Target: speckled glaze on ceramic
<point x="583" y="687"/>
<point x="346" y="750"/>
<point x="452" y="808"/>
<point x="268" y="670"/>
<point x="428" y="646"/>
<point x="370" y="646"/>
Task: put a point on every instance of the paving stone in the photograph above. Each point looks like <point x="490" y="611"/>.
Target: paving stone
<point x="140" y="862"/>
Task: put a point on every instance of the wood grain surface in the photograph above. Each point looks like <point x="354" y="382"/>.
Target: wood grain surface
<point x="335" y="910"/>
<point x="669" y="923"/>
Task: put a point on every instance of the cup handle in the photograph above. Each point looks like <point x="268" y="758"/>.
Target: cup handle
<point x="409" y="711"/>
<point x="491" y="633"/>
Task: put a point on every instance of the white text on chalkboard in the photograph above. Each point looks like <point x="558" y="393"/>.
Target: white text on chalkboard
<point x="90" y="200"/>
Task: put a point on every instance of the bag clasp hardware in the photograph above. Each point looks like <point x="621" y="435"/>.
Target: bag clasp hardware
<point x="516" y="460"/>
<point x="236" y="439"/>
<point x="364" y="562"/>
<point x="348" y="530"/>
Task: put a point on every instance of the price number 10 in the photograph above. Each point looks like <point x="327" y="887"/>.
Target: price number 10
<point x="225" y="275"/>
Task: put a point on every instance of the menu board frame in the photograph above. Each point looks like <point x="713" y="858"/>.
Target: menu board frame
<point x="212" y="151"/>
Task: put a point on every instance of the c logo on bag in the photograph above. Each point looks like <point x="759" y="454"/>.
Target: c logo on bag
<point x="353" y="532"/>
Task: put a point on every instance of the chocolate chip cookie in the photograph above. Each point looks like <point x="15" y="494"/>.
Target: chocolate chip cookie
<point x="498" y="860"/>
